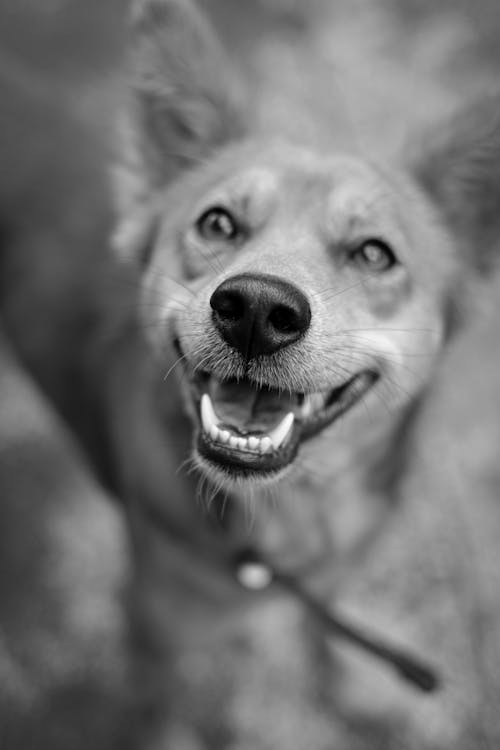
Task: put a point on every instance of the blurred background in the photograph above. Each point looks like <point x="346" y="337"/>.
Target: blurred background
<point x="368" y="73"/>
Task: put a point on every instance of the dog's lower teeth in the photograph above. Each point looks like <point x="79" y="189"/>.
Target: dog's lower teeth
<point x="253" y="443"/>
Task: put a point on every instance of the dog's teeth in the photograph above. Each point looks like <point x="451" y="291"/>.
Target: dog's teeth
<point x="318" y="401"/>
<point x="208" y="416"/>
<point x="278" y="435"/>
<point x="306" y="410"/>
<point x="265" y="444"/>
<point x="210" y="423"/>
<point x="253" y="442"/>
<point x="312" y="402"/>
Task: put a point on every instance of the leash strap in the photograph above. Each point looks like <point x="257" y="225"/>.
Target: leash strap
<point x="252" y="571"/>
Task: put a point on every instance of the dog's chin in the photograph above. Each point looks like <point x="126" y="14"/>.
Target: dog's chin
<point x="249" y="433"/>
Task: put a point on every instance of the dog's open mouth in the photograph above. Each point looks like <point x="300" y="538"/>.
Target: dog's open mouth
<point x="247" y="429"/>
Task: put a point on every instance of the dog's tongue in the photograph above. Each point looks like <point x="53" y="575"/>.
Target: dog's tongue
<point x="248" y="408"/>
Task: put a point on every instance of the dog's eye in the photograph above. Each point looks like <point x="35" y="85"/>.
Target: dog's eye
<point x="217" y="225"/>
<point x="375" y="256"/>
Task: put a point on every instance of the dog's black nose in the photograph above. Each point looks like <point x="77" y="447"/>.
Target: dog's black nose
<point x="259" y="314"/>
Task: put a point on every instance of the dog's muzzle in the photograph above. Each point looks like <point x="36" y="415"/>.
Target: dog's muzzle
<point x="250" y="428"/>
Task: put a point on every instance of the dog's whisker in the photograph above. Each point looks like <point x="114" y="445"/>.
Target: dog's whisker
<point x="200" y="485"/>
<point x="385" y="403"/>
<point x="367" y="409"/>
<point x="224" y="503"/>
<point x="187" y="463"/>
<point x="172" y="367"/>
<point x="389" y="381"/>
<point x="327" y="296"/>
<point x="250" y="510"/>
<point x="212" y="494"/>
<point x="141" y="284"/>
<point x="387" y="330"/>
<point x="211" y="258"/>
<point x="362" y="354"/>
<point x="201" y="362"/>
<point x="368" y="340"/>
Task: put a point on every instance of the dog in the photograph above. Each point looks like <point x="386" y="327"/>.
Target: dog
<point x="293" y="306"/>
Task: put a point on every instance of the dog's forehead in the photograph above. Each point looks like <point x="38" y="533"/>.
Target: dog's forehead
<point x="255" y="187"/>
<point x="279" y="166"/>
<point x="359" y="197"/>
<point x="285" y="164"/>
<point x="345" y="196"/>
<point x="338" y="186"/>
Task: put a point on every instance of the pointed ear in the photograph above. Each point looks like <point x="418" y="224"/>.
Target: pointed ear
<point x="183" y="99"/>
<point x="460" y="172"/>
<point x="185" y="95"/>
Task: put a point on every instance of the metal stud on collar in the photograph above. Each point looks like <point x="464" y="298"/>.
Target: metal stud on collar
<point x="253" y="575"/>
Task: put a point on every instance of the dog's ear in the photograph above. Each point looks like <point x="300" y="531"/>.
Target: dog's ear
<point x="460" y="172"/>
<point x="183" y="89"/>
<point x="183" y="99"/>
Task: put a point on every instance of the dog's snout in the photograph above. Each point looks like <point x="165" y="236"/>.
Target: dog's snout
<point x="259" y="314"/>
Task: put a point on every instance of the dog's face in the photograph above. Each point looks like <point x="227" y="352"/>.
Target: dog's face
<point x="302" y="295"/>
<point x="304" y="299"/>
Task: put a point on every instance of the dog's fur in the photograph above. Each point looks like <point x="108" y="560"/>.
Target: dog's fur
<point x="352" y="515"/>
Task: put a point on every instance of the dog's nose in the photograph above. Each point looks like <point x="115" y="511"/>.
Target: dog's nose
<point x="259" y="314"/>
